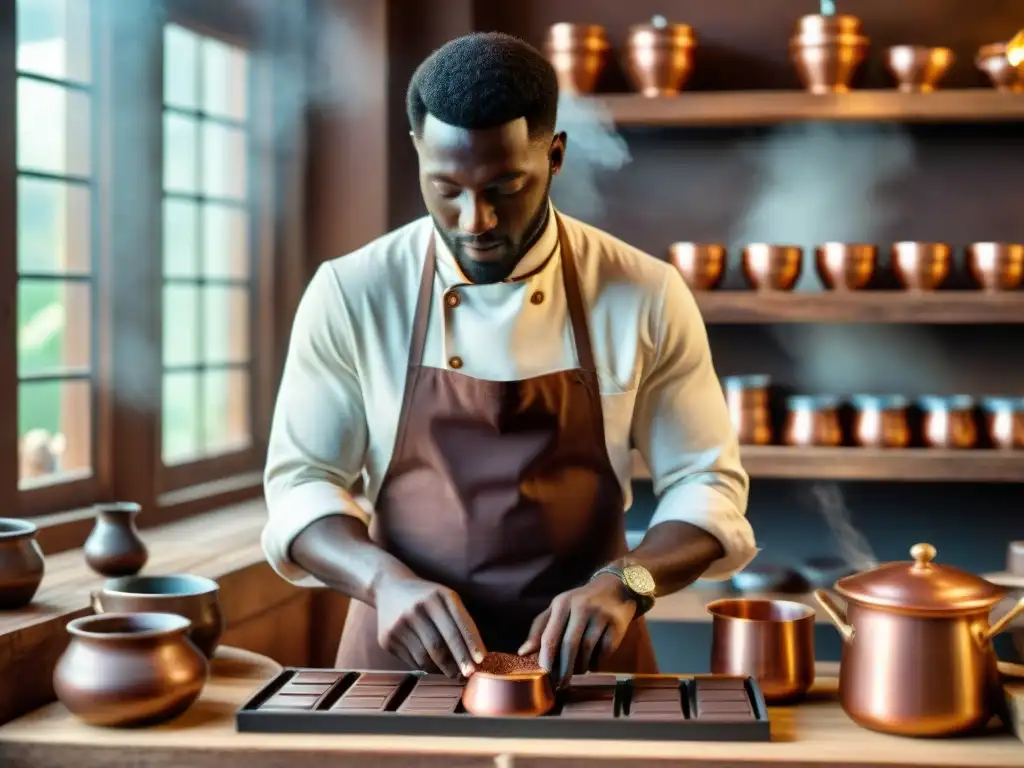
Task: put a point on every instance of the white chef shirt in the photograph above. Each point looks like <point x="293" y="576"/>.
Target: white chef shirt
<point x="338" y="405"/>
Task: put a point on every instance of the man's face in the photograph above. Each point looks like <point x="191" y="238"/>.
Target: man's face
<point x="487" y="191"/>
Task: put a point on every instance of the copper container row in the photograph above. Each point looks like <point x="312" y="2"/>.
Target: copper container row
<point x="827" y="53"/>
<point x="918" y="266"/>
<point x="958" y="422"/>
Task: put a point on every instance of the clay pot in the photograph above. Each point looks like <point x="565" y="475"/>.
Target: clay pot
<point x="124" y="669"/>
<point x="702" y="265"/>
<point x="659" y="57"/>
<point x="21" y="563"/>
<point x="996" y="266"/>
<point x="1003" y="75"/>
<point x="922" y="266"/>
<point x="772" y="267"/>
<point x="813" y="421"/>
<point x="881" y="422"/>
<point x="579" y="53"/>
<point x="949" y="422"/>
<point x="114" y="547"/>
<point x="827" y="51"/>
<point x="917" y="68"/>
<point x="846" y="266"/>
<point x="194" y="597"/>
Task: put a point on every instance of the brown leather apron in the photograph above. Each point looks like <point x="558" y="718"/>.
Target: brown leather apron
<point x="501" y="490"/>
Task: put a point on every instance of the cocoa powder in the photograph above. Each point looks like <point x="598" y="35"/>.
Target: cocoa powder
<point x="497" y="663"/>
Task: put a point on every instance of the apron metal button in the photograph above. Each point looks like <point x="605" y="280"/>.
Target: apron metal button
<point x="452" y="299"/>
<point x="537" y="297"/>
<point x="455" y="362"/>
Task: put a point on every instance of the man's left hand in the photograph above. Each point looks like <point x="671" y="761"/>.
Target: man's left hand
<point x="580" y="627"/>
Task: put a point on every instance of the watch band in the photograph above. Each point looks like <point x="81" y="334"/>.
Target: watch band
<point x="644" y="603"/>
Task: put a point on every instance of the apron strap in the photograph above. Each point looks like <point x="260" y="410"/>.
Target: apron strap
<point x="574" y="301"/>
<point x="422" y="317"/>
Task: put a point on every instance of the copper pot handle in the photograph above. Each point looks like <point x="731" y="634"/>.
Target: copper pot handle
<point x="94" y="602"/>
<point x="837" y="614"/>
<point x="986" y="635"/>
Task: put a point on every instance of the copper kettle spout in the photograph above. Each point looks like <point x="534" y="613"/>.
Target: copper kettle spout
<point x="985" y="635"/>
<point x="837" y="614"/>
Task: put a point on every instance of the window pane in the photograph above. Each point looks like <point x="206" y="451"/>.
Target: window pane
<point x="225" y="242"/>
<point x="53" y="38"/>
<point x="226" y="411"/>
<point x="54" y="429"/>
<point x="225" y="80"/>
<point x="54" y="326"/>
<point x="181" y="238"/>
<point x="181" y="155"/>
<point x="181" y="325"/>
<point x="180" y="422"/>
<point x="53" y="129"/>
<point x="54" y="228"/>
<point x="224" y="162"/>
<point x="225" y="324"/>
<point x="181" y="68"/>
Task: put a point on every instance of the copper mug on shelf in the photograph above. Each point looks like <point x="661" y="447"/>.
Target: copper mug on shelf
<point x="846" y="266"/>
<point x="578" y="53"/>
<point x="813" y="420"/>
<point x="917" y="654"/>
<point x="949" y="422"/>
<point x="747" y="400"/>
<point x="769" y="640"/>
<point x="659" y="57"/>
<point x="996" y="266"/>
<point x="881" y="422"/>
<point x="702" y="265"/>
<point x="21" y="563"/>
<point x="1004" y="421"/>
<point x="921" y="266"/>
<point x="827" y="51"/>
<point x="772" y="267"/>
<point x="918" y="68"/>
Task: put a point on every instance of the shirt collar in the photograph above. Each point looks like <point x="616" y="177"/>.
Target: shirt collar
<point x="534" y="260"/>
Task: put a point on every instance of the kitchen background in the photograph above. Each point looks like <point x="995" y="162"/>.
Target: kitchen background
<point x="804" y="182"/>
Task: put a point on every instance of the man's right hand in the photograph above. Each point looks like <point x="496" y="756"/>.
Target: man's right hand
<point x="426" y="626"/>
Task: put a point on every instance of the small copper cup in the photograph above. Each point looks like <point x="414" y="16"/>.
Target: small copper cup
<point x="921" y="266"/>
<point x="578" y="53"/>
<point x="702" y="265"/>
<point x="813" y="421"/>
<point x="917" y="68"/>
<point x="827" y="51"/>
<point x="881" y="422"/>
<point x="522" y="694"/>
<point x="747" y="400"/>
<point x="1004" y="421"/>
<point x="659" y="57"/>
<point x="846" y="266"/>
<point x="991" y="60"/>
<point x="996" y="266"/>
<point x="769" y="640"/>
<point x="949" y="422"/>
<point x="772" y="267"/>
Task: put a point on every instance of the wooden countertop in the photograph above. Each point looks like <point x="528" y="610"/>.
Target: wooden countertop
<point x="813" y="733"/>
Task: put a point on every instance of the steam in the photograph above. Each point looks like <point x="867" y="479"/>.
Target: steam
<point x="853" y="546"/>
<point x="594" y="147"/>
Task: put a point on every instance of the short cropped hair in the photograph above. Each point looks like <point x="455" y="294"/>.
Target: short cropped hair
<point x="484" y="80"/>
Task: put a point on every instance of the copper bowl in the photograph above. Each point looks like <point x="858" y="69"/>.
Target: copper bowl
<point x="917" y="68"/>
<point x="772" y="267"/>
<point x="991" y="60"/>
<point x="827" y="51"/>
<point x="996" y="266"/>
<point x="524" y="691"/>
<point x="921" y="266"/>
<point x="579" y="54"/>
<point x="659" y="57"/>
<point x="702" y="265"/>
<point x="1004" y="421"/>
<point x="846" y="266"/>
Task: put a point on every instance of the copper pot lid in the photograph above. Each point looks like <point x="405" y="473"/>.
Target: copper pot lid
<point x="921" y="586"/>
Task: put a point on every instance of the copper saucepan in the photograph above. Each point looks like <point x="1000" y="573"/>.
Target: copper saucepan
<point x="917" y="652"/>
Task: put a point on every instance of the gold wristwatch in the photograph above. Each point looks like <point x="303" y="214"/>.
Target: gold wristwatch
<point x="638" y="582"/>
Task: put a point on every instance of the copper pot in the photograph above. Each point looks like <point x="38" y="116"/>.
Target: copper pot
<point x="813" y="420"/>
<point x="949" y="422"/>
<point x="123" y="669"/>
<point x="827" y="52"/>
<point x="846" y="266"/>
<point x="917" y="654"/>
<point x="917" y="68"/>
<point x="659" y="57"/>
<point x="991" y="60"/>
<point x="508" y="685"/>
<point x="996" y="266"/>
<point x="881" y="422"/>
<point x="747" y="400"/>
<point x="194" y="597"/>
<point x="579" y="54"/>
<point x="772" y="267"/>
<point x="921" y="266"/>
<point x="1004" y="421"/>
<point x="770" y="640"/>
<point x="21" y="563"/>
<point x="702" y="265"/>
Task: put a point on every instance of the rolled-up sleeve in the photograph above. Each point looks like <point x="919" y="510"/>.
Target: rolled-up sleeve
<point x="682" y="429"/>
<point x="318" y="434"/>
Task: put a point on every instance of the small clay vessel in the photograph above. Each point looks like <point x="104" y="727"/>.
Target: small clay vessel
<point x="125" y="669"/>
<point x="114" y="547"/>
<point x="21" y="563"/>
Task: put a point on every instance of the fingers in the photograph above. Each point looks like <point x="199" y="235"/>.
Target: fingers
<point x="405" y="645"/>
<point x="571" y="639"/>
<point x="554" y="629"/>
<point x="611" y="639"/>
<point x="432" y="639"/>
<point x="467" y="629"/>
<point x="532" y="644"/>
<point x="450" y="642"/>
<point x="589" y="653"/>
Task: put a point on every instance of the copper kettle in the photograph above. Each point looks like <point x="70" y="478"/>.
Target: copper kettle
<point x="917" y="653"/>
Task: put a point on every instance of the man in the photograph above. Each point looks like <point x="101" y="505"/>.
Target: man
<point x="486" y="368"/>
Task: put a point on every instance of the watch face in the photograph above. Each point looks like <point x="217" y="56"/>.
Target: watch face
<point x="638" y="579"/>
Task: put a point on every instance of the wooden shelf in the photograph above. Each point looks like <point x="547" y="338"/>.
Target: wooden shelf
<point x="936" y="307"/>
<point x="915" y="464"/>
<point x="696" y="108"/>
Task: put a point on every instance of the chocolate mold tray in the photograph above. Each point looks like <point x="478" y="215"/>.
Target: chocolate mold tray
<point x="593" y="706"/>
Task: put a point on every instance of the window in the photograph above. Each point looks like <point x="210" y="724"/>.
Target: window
<point x="57" y="332"/>
<point x="208" y="251"/>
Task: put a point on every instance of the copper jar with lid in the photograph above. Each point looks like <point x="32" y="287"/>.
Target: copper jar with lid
<point x="578" y="53"/>
<point x="659" y="57"/>
<point x="917" y="655"/>
<point x="1004" y="421"/>
<point x="949" y="422"/>
<point x="747" y="400"/>
<point x="881" y="421"/>
<point x="827" y="51"/>
<point x="813" y="420"/>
